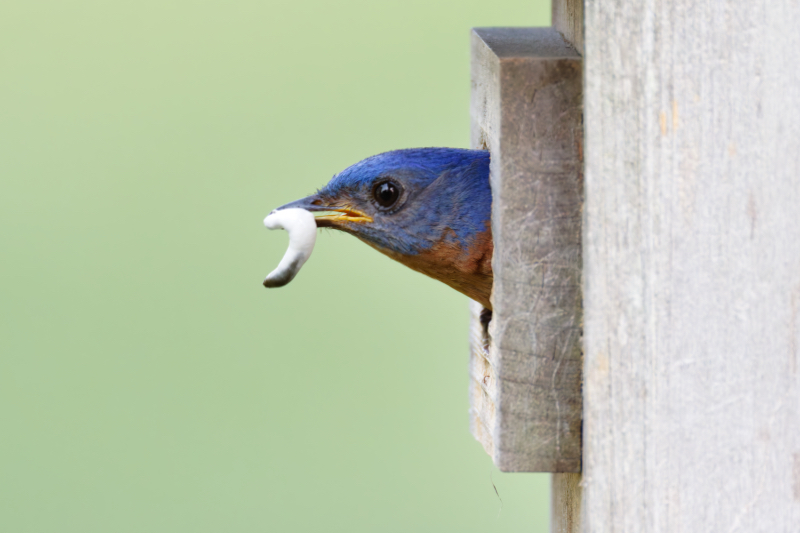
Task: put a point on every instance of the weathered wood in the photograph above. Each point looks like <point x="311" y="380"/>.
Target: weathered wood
<point x="692" y="266"/>
<point x="568" y="19"/>
<point x="565" y="503"/>
<point x="526" y="376"/>
<point x="565" y="490"/>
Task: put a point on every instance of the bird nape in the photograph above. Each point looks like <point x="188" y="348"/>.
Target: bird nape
<point x="428" y="208"/>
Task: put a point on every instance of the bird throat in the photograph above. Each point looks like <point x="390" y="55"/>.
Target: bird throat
<point x="467" y="270"/>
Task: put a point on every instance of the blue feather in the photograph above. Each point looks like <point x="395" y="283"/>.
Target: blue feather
<point x="449" y="197"/>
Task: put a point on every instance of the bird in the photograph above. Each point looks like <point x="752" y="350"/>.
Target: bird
<point x="427" y="208"/>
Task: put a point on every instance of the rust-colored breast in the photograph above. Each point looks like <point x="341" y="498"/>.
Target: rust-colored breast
<point x="469" y="271"/>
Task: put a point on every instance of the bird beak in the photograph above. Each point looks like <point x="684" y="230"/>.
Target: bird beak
<point x="328" y="215"/>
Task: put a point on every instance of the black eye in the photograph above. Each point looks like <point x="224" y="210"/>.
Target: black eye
<point x="386" y="193"/>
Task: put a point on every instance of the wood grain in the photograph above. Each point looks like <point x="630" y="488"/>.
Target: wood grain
<point x="692" y="266"/>
<point x="526" y="374"/>
<point x="566" y="500"/>
<point x="568" y="20"/>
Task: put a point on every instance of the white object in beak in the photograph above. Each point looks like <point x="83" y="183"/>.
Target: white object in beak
<point x="302" y="230"/>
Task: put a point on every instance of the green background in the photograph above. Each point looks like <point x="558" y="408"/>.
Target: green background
<point x="148" y="382"/>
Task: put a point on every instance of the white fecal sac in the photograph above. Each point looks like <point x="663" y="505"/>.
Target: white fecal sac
<point x="302" y="229"/>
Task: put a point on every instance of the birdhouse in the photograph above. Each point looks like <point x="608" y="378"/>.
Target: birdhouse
<point x="526" y="360"/>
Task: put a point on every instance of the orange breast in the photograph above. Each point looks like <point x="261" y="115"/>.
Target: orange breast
<point x="469" y="271"/>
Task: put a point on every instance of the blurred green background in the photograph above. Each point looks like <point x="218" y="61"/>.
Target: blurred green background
<point x="147" y="381"/>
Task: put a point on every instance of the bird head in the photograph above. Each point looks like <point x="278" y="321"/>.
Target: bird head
<point x="429" y="208"/>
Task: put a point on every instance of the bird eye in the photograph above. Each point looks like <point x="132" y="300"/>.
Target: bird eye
<point x="386" y="193"/>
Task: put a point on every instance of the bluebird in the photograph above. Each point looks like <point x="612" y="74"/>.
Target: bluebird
<point x="428" y="208"/>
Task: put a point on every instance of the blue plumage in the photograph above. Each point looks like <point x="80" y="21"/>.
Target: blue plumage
<point x="429" y="208"/>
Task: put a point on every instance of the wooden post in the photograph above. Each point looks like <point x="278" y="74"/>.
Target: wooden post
<point x="568" y="20"/>
<point x="526" y="369"/>
<point x="692" y="267"/>
<point x="566" y="490"/>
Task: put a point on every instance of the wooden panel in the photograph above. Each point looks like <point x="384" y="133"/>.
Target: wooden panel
<point x="566" y="502"/>
<point x="568" y="19"/>
<point x="692" y="266"/>
<point x="526" y="374"/>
